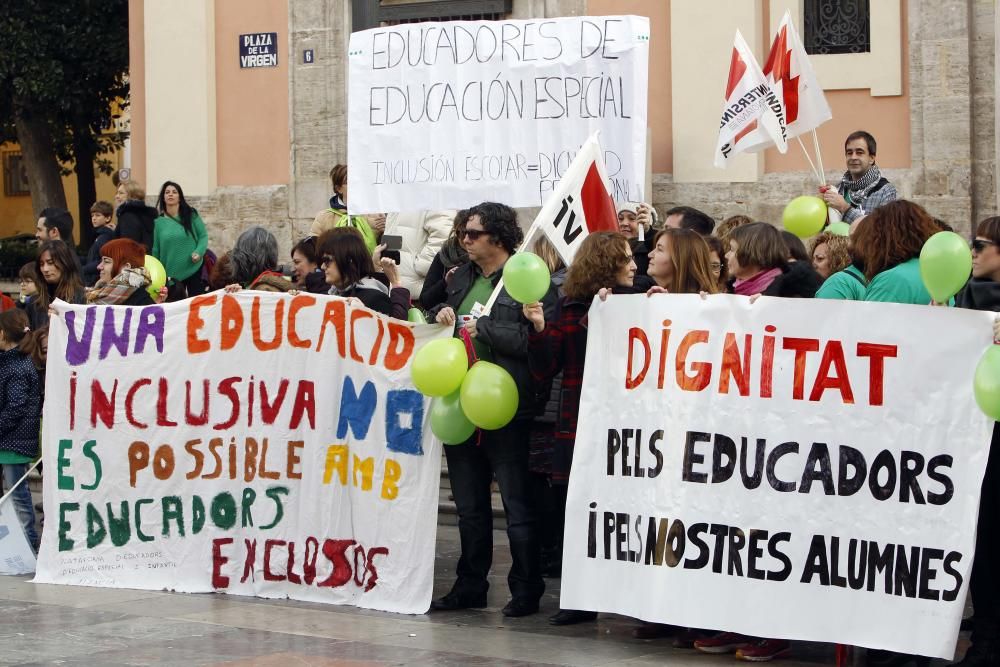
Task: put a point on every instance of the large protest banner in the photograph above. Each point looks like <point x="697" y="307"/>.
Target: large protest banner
<point x="445" y="115"/>
<point x="249" y="443"/>
<point x="799" y="469"/>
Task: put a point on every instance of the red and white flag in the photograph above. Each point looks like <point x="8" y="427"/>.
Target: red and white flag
<point x="751" y="106"/>
<point x="579" y="204"/>
<point x="791" y="75"/>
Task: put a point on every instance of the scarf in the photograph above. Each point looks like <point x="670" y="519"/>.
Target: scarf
<point x="365" y="283"/>
<point x="855" y="192"/>
<point x="757" y="284"/>
<point x="337" y="204"/>
<point x="452" y="254"/>
<point x="118" y="290"/>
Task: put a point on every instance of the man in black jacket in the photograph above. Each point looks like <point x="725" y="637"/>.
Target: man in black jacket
<point x="490" y="236"/>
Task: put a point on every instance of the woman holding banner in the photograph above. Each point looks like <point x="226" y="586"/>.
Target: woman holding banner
<point x="680" y="263"/>
<point x="58" y="271"/>
<point x="350" y="272"/>
<point x="604" y="261"/>
<point x="982" y="292"/>
<point x="758" y="264"/>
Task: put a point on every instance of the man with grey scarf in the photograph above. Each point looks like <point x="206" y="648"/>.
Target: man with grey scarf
<point x="863" y="188"/>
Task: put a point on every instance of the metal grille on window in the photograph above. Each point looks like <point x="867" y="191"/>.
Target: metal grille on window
<point x="15" y="178"/>
<point x="837" y="27"/>
<point x="372" y="13"/>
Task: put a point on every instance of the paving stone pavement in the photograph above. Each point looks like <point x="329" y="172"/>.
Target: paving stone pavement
<point x="68" y="625"/>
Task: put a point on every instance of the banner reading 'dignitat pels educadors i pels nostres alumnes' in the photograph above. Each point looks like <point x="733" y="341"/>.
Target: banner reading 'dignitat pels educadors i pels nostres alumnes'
<point x="800" y="469"/>
<point x="248" y="443"/>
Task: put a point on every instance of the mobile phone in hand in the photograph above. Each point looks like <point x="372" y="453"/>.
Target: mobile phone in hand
<point x="393" y="244"/>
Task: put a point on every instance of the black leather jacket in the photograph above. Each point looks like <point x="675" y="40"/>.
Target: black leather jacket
<point x="505" y="330"/>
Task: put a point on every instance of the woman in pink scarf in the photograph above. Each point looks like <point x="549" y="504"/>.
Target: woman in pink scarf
<point x="760" y="263"/>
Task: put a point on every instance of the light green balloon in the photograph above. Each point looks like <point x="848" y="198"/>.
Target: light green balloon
<point x="839" y="229"/>
<point x="439" y="367"/>
<point x="489" y="396"/>
<point x="448" y="423"/>
<point x="986" y="384"/>
<point x="416" y="316"/>
<point x="526" y="277"/>
<point x="945" y="265"/>
<point x="804" y="216"/>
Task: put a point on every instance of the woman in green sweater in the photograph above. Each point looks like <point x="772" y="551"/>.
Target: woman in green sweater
<point x="179" y="242"/>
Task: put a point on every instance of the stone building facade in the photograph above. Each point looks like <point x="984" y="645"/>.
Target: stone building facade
<point x="271" y="167"/>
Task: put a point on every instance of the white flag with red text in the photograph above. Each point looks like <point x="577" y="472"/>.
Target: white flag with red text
<point x="751" y="105"/>
<point x="791" y="75"/>
<point x="579" y="204"/>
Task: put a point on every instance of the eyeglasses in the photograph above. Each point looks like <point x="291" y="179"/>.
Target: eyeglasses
<point x="715" y="266"/>
<point x="473" y="234"/>
<point x="979" y="245"/>
<point x="325" y="259"/>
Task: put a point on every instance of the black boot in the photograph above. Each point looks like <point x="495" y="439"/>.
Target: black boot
<point x="879" y="658"/>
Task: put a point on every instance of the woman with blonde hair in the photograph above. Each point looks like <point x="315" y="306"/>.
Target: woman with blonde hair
<point x="136" y="220"/>
<point x="829" y="253"/>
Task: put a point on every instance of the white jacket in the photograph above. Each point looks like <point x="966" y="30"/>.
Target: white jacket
<point x="423" y="232"/>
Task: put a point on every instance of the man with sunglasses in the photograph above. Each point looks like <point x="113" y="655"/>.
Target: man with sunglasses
<point x="490" y="236"/>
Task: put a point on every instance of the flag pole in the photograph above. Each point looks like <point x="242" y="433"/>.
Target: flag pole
<point x="819" y="157"/>
<point x="812" y="166"/>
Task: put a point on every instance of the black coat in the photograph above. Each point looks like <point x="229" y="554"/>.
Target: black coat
<point x="91" y="267"/>
<point x="979" y="294"/>
<point x="136" y="222"/>
<point x="505" y="330"/>
<point x="798" y="279"/>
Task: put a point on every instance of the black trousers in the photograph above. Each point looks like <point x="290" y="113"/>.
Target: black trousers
<point x="985" y="583"/>
<point x="471" y="467"/>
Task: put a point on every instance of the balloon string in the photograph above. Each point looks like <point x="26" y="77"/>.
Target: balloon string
<point x="470" y="350"/>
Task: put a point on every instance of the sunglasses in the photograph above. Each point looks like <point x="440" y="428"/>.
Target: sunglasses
<point x="473" y="234"/>
<point x="980" y="245"/>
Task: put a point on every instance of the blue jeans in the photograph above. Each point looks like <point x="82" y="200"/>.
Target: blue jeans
<point x="21" y="498"/>
<point x="471" y="467"/>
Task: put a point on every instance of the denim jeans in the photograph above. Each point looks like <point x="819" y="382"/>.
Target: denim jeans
<point x="471" y="467"/>
<point x="21" y="498"/>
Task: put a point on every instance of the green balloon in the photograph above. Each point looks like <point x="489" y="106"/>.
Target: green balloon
<point x="489" y="396"/>
<point x="416" y="316"/>
<point x="157" y="275"/>
<point x="439" y="367"/>
<point x="839" y="229"/>
<point x="804" y="216"/>
<point x="526" y="277"/>
<point x="986" y="384"/>
<point x="945" y="265"/>
<point x="448" y="423"/>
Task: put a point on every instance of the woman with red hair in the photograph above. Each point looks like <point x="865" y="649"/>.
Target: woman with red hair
<point x="123" y="279"/>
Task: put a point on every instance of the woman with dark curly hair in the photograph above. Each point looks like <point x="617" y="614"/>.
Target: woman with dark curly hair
<point x="604" y="261"/>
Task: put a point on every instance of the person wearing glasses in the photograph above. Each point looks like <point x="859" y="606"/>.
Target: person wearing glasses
<point x="716" y="261"/>
<point x="490" y="236"/>
<point x="982" y="292"/>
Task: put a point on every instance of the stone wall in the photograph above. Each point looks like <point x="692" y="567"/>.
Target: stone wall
<point x="953" y="127"/>
<point x="952" y="107"/>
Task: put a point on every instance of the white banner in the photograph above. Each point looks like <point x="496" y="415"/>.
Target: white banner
<point x="16" y="555"/>
<point x="446" y="115"/>
<point x="253" y="443"/>
<point x="796" y="469"/>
